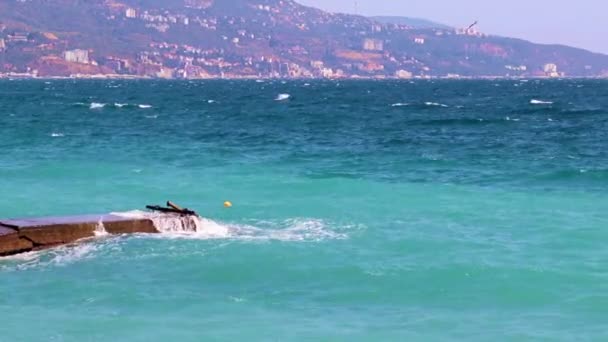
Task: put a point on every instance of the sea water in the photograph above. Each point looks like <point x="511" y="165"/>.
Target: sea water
<point x="362" y="210"/>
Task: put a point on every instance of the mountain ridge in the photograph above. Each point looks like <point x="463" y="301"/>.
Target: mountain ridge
<point x="417" y="23"/>
<point x="257" y="38"/>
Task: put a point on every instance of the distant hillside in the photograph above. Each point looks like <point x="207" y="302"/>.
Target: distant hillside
<point x="257" y="38"/>
<point x="413" y="22"/>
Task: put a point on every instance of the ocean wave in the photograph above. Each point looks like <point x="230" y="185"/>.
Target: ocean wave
<point x="144" y="106"/>
<point x="58" y="256"/>
<point x="540" y="102"/>
<point x="175" y="227"/>
<point x="96" y="105"/>
<point x="282" y="97"/>
<point x="57" y="135"/>
<point x="399" y="104"/>
<point x="580" y="174"/>
<point x="120" y="105"/>
<point x="191" y="227"/>
<point x="435" y="104"/>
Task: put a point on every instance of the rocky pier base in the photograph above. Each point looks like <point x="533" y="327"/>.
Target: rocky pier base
<point x="24" y="235"/>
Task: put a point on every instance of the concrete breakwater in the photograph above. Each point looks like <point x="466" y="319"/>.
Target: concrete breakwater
<point x="24" y="235"/>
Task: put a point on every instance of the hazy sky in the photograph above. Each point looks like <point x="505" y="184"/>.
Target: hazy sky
<point x="578" y="23"/>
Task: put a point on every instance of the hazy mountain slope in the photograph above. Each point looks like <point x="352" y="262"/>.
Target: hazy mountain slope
<point x="256" y="38"/>
<point x="416" y="23"/>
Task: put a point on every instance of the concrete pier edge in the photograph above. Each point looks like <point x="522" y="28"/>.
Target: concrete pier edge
<point x="30" y="234"/>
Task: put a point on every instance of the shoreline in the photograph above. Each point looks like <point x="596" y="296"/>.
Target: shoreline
<point x="354" y="78"/>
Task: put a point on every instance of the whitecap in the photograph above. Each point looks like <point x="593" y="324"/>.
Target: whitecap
<point x="151" y="116"/>
<point x="120" y="105"/>
<point x="210" y="101"/>
<point x="540" y="102"/>
<point x="435" y="104"/>
<point x="144" y="106"/>
<point x="282" y="97"/>
<point x="399" y="104"/>
<point x="57" y="135"/>
<point x="96" y="105"/>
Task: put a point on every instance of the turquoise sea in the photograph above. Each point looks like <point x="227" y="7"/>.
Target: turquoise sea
<point x="363" y="210"/>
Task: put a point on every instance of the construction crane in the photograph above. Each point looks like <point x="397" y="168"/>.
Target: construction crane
<point x="472" y="25"/>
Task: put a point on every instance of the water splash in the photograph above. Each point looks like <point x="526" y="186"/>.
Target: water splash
<point x="180" y="226"/>
<point x="100" y="229"/>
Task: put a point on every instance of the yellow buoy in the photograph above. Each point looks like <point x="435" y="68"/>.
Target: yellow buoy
<point x="227" y="204"/>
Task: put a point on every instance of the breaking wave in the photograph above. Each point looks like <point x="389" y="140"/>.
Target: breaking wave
<point x="435" y="104"/>
<point x="97" y="105"/>
<point x="540" y="102"/>
<point x="179" y="226"/>
<point x="58" y="256"/>
<point x="282" y="97"/>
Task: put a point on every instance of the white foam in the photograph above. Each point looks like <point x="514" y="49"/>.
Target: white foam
<point x="100" y="229"/>
<point x="179" y="224"/>
<point x="58" y="256"/>
<point x="96" y="105"/>
<point x="435" y="104"/>
<point x="120" y="105"/>
<point x="151" y="116"/>
<point x="399" y="104"/>
<point x="192" y="227"/>
<point x="282" y="97"/>
<point x="539" y="102"/>
<point x="57" y="135"/>
<point x="210" y="101"/>
<point x="144" y="106"/>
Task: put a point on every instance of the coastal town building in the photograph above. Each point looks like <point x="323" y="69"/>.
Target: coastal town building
<point x="268" y="39"/>
<point x="403" y="74"/>
<point x="18" y="37"/>
<point x="77" y="56"/>
<point x="131" y="13"/>
<point x="370" y="44"/>
<point x="551" y="70"/>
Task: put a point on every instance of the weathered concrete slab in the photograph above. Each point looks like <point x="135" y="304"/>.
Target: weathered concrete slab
<point x="120" y="225"/>
<point x="11" y="243"/>
<point x="18" y="235"/>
